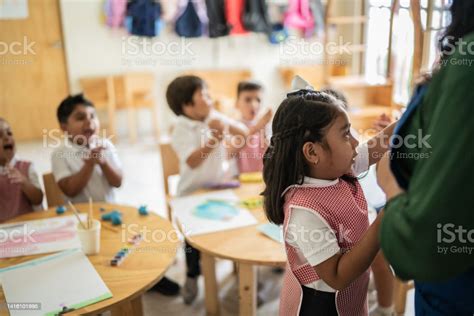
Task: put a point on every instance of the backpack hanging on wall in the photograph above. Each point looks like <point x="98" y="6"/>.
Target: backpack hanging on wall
<point x="255" y="17"/>
<point x="300" y="17"/>
<point x="143" y="17"/>
<point x="192" y="18"/>
<point x="317" y="9"/>
<point x="115" y="11"/>
<point x="217" y="20"/>
<point x="234" y="10"/>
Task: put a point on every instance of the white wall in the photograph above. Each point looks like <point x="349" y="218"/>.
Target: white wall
<point x="94" y="49"/>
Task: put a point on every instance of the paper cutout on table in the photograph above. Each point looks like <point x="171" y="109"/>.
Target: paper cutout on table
<point x="210" y="219"/>
<point x="40" y="236"/>
<point x="251" y="177"/>
<point x="216" y="210"/>
<point x="66" y="279"/>
<point x="272" y="231"/>
<point x="253" y="202"/>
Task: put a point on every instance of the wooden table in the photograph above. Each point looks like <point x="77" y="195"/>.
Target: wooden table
<point x="247" y="247"/>
<point x="138" y="273"/>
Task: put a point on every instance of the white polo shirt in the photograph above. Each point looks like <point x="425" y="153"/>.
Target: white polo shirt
<point x="68" y="160"/>
<point x="189" y="135"/>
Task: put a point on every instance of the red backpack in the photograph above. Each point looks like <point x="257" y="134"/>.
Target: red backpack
<point x="299" y="16"/>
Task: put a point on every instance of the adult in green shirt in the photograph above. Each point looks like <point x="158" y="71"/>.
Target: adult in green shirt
<point x="427" y="233"/>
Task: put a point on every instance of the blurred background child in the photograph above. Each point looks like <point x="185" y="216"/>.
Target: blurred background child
<point x="20" y="190"/>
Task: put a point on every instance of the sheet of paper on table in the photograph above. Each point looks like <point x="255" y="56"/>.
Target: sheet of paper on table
<point x="210" y="212"/>
<point x="272" y="231"/>
<point x="39" y="236"/>
<point x="66" y="279"/>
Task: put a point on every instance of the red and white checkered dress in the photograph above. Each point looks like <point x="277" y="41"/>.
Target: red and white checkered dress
<point x="344" y="208"/>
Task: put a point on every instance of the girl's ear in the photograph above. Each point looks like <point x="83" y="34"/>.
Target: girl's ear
<point x="312" y="152"/>
<point x="63" y="126"/>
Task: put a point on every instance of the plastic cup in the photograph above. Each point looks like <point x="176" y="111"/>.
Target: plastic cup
<point x="90" y="238"/>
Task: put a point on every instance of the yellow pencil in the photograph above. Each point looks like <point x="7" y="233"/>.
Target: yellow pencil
<point x="89" y="219"/>
<point x="77" y="214"/>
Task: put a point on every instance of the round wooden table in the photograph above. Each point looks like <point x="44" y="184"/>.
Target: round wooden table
<point x="245" y="246"/>
<point x="140" y="270"/>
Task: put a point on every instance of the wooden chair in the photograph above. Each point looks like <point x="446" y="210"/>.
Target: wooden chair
<point x="400" y="295"/>
<point x="129" y="91"/>
<point x="54" y="195"/>
<point x="170" y="166"/>
<point x="101" y="91"/>
<point x="134" y="91"/>
<point x="222" y="85"/>
<point x="314" y="74"/>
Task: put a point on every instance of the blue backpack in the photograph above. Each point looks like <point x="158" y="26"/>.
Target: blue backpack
<point x="188" y="24"/>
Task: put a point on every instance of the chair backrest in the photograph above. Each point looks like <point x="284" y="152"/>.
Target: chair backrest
<point x="314" y="74"/>
<point x="169" y="162"/>
<point x="54" y="195"/>
<point x="100" y="90"/>
<point x="222" y="83"/>
<point x="134" y="89"/>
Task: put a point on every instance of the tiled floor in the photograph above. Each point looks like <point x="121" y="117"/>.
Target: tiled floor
<point x="143" y="185"/>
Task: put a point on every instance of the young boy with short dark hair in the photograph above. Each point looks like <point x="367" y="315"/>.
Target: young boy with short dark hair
<point x="84" y="165"/>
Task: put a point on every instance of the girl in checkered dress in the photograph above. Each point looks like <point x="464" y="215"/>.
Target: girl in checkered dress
<point x="310" y="174"/>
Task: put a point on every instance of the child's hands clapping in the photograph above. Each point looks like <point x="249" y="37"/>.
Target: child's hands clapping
<point x="217" y="128"/>
<point x="15" y="176"/>
<point x="95" y="156"/>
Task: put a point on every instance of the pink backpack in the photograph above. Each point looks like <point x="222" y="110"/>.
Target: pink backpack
<point x="299" y="16"/>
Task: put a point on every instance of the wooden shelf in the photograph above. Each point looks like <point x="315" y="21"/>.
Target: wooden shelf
<point x="338" y="20"/>
<point x="357" y="81"/>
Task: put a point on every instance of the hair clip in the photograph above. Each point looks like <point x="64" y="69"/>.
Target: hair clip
<point x="301" y="93"/>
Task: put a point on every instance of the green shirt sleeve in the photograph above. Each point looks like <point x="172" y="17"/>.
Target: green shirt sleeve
<point x="418" y="232"/>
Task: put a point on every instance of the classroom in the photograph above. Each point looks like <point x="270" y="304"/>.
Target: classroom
<point x="236" y="157"/>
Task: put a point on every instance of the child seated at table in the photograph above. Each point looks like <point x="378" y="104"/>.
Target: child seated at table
<point x="84" y="165"/>
<point x="198" y="140"/>
<point x="20" y="190"/>
<point x="249" y="98"/>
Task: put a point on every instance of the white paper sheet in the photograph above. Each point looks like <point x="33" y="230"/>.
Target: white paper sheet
<point x="39" y="236"/>
<point x="64" y="279"/>
<point x="184" y="212"/>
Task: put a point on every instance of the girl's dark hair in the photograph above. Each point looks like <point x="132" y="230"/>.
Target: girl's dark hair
<point x="300" y="118"/>
<point x="462" y="23"/>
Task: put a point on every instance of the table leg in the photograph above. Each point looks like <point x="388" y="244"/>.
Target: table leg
<point x="247" y="289"/>
<point x="208" y="266"/>
<point x="137" y="306"/>
<point x="132" y="307"/>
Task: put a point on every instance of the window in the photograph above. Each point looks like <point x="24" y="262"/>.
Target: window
<point x="402" y="41"/>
